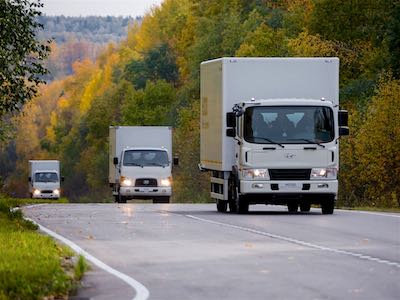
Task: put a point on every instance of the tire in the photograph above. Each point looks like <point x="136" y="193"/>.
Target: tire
<point x="222" y="206"/>
<point x="305" y="207"/>
<point x="237" y="203"/>
<point x="231" y="192"/>
<point x="121" y="199"/>
<point x="243" y="205"/>
<point x="328" y="206"/>
<point x="292" y="207"/>
<point x="161" y="199"/>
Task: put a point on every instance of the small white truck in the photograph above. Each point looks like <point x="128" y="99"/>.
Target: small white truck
<point x="140" y="164"/>
<point x="44" y="179"/>
<point x="270" y="130"/>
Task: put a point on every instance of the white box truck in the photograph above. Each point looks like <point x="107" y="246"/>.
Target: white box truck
<point x="44" y="179"/>
<point x="140" y="164"/>
<point x="270" y="131"/>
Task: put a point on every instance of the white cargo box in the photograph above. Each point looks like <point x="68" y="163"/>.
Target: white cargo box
<point x="122" y="137"/>
<point x="43" y="165"/>
<point x="228" y="81"/>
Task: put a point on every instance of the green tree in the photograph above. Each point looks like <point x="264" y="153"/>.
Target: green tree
<point x="157" y="64"/>
<point x="150" y="106"/>
<point x="21" y="54"/>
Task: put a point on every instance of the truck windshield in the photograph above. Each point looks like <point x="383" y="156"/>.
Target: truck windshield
<point x="146" y="158"/>
<point x="46" y="177"/>
<point x="290" y="125"/>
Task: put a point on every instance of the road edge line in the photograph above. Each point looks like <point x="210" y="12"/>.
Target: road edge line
<point x="142" y="293"/>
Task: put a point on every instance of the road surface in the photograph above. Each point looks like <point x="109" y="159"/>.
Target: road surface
<point x="189" y="251"/>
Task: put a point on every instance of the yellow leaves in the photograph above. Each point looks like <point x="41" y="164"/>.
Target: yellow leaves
<point x="63" y="103"/>
<point x="311" y="45"/>
<point x="50" y="133"/>
<point x="264" y="41"/>
<point x="375" y="164"/>
<point x="90" y="92"/>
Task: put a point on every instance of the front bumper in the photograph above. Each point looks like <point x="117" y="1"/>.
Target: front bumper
<point x="134" y="191"/>
<point x="45" y="196"/>
<point x="289" y="187"/>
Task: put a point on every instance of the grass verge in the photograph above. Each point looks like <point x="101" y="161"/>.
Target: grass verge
<point x="371" y="208"/>
<point x="32" y="265"/>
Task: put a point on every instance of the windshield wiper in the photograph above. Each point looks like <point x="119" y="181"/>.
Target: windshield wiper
<point x="308" y="141"/>
<point x="133" y="164"/>
<point x="156" y="164"/>
<point x="268" y="140"/>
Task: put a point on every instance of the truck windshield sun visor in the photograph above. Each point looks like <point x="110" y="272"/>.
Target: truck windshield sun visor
<point x="289" y="125"/>
<point x="146" y="157"/>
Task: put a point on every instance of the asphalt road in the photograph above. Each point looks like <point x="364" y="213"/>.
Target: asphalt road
<point x="190" y="251"/>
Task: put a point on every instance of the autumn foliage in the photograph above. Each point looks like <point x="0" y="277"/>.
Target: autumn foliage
<point x="152" y="78"/>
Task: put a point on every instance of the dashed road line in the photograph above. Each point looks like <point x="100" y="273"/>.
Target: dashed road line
<point x="300" y="242"/>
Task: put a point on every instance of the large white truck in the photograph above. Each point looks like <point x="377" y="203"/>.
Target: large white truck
<point x="270" y="130"/>
<point x="44" y="179"/>
<point x="140" y="165"/>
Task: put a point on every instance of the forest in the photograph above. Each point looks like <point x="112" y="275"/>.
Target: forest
<point x="79" y="38"/>
<point x="151" y="77"/>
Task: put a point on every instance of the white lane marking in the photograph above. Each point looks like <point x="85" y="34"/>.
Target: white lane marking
<point x="299" y="242"/>
<point x="369" y="213"/>
<point x="142" y="293"/>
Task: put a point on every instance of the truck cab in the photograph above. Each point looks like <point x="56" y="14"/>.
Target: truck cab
<point x="286" y="152"/>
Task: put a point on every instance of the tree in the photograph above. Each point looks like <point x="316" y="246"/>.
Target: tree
<point x="21" y="54"/>
<point x="157" y="64"/>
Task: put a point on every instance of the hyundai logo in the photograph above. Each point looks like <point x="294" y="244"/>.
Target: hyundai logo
<point x="290" y="155"/>
<point x="146" y="181"/>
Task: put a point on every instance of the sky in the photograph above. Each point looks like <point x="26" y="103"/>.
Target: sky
<point x="98" y="7"/>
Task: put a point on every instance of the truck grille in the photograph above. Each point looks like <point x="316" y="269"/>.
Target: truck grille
<point x="146" y="182"/>
<point x="289" y="174"/>
<point x="46" y="192"/>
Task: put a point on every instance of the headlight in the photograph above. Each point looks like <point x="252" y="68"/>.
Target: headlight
<point x="323" y="173"/>
<point x="255" y="174"/>
<point x="125" y="181"/>
<point x="36" y="192"/>
<point x="166" y="182"/>
<point x="56" y="192"/>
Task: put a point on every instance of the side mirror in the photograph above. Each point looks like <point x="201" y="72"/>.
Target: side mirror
<point x="115" y="160"/>
<point x="176" y="161"/>
<point x="230" y="119"/>
<point x="29" y="178"/>
<point x="343" y="117"/>
<point x="62" y="178"/>
<point x="231" y="132"/>
<point x="344" y="131"/>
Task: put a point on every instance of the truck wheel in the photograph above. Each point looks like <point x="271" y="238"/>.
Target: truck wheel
<point x="231" y="197"/>
<point x="328" y="206"/>
<point x="305" y="207"/>
<point x="237" y="203"/>
<point x="163" y="199"/>
<point x="222" y="206"/>
<point x="121" y="199"/>
<point x="292" y="207"/>
<point x="243" y="205"/>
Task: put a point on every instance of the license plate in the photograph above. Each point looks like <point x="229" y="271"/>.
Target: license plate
<point x="290" y="186"/>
